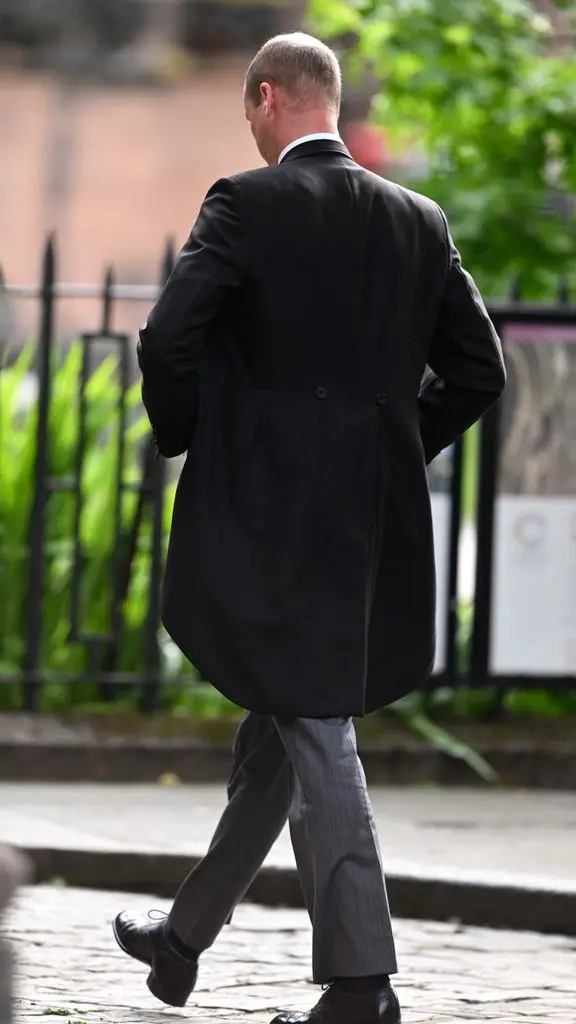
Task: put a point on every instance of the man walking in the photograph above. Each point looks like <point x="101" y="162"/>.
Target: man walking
<point x="286" y="355"/>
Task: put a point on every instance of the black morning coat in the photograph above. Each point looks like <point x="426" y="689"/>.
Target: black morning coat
<point x="285" y="355"/>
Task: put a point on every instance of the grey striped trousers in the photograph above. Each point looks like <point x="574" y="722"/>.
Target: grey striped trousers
<point x="307" y="771"/>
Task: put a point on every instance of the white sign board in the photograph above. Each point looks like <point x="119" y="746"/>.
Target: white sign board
<point x="534" y="579"/>
<point x="534" y="606"/>
<point x="441" y="522"/>
<point x="440" y="479"/>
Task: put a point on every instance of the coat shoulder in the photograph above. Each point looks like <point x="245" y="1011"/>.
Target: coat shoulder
<point x="415" y="202"/>
<point x="258" y="177"/>
<point x="279" y="180"/>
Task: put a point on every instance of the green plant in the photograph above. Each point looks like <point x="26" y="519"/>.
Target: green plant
<point x="470" y="473"/>
<point x="479" y="89"/>
<point x="98" y="488"/>
<point x="469" y="704"/>
<point x="411" y="710"/>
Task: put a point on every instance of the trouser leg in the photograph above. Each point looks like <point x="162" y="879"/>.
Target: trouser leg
<point x="337" y="850"/>
<point x="259" y="794"/>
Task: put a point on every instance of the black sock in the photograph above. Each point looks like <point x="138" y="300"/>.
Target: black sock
<point x="357" y="986"/>
<point x="181" y="947"/>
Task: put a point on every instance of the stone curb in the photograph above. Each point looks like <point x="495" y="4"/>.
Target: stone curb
<point x="489" y="899"/>
<point x="130" y="747"/>
<point x="523" y="764"/>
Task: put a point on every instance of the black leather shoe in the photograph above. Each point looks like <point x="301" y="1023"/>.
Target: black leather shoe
<point x="172" y="977"/>
<point x="339" y="1007"/>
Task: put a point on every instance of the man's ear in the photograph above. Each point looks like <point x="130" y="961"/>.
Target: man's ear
<point x="266" y="95"/>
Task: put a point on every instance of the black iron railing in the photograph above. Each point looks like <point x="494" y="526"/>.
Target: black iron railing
<point x="104" y="648"/>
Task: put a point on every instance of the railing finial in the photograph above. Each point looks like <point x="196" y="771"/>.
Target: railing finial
<point x="516" y="289"/>
<point x="168" y="260"/>
<point x="563" y="294"/>
<point x="107" y="286"/>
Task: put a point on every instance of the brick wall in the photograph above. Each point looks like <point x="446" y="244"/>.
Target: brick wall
<point x="113" y="171"/>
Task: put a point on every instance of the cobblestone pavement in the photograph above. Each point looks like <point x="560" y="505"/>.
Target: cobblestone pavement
<point x="70" y="967"/>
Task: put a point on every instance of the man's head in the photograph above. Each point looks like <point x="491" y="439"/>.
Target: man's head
<point x="292" y="89"/>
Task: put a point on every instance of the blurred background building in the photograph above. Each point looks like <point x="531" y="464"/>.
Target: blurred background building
<point x="116" y="116"/>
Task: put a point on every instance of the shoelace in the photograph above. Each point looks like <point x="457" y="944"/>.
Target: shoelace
<point x="161" y="915"/>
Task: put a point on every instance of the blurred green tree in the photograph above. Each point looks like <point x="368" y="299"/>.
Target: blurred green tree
<point x="486" y="89"/>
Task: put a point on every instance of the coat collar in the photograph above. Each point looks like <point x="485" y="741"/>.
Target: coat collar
<point x="315" y="147"/>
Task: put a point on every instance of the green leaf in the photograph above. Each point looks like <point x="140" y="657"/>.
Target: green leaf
<point x="475" y="87"/>
<point x="442" y="740"/>
<point x="97" y="522"/>
<point x="333" y="17"/>
<point x="458" y="35"/>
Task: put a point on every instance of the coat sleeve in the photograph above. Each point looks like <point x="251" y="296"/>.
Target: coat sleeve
<point x="465" y="356"/>
<point x="173" y="339"/>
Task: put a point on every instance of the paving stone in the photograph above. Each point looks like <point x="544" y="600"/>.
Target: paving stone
<point x="70" y="968"/>
<point x="524" y="833"/>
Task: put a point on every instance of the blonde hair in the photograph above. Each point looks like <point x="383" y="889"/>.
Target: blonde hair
<point x="303" y="67"/>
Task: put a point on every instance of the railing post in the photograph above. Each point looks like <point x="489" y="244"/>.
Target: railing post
<point x="452" y="668"/>
<point x="37" y="532"/>
<point x="157" y="478"/>
<point x="151" y="685"/>
<point x="516" y="289"/>
<point x="107" y="300"/>
<point x="486" y="501"/>
<point x="5" y="318"/>
<point x="563" y="292"/>
<point x="108" y="691"/>
<point x="168" y="261"/>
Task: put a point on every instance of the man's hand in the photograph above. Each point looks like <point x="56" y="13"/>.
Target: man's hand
<point x="465" y="357"/>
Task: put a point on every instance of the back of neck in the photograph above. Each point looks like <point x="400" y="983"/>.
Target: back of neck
<point x="309" y="126"/>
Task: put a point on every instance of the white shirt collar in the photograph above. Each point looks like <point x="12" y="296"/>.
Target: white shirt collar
<point x="308" y="138"/>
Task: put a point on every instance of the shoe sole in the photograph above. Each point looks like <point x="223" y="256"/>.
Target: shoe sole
<point x="159" y="992"/>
